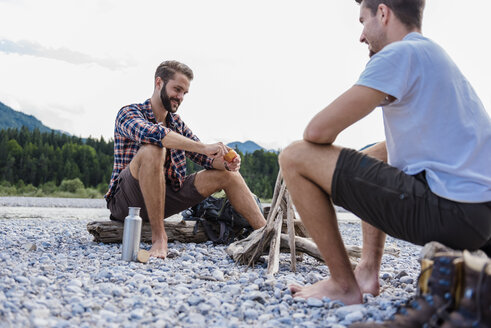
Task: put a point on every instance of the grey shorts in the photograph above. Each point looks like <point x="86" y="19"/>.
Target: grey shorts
<point x="128" y="194"/>
<point x="404" y="207"/>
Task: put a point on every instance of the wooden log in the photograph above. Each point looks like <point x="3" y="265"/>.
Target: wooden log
<point x="274" y="248"/>
<point x="112" y="231"/>
<point x="305" y="245"/>
<point x="291" y="234"/>
<point x="258" y="248"/>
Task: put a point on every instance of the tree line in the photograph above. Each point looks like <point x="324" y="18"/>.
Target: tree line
<point x="51" y="160"/>
<point x="259" y="170"/>
<point x="34" y="158"/>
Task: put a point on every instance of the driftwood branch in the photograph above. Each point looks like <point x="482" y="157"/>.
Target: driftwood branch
<point x="290" y="217"/>
<point x="304" y="245"/>
<point x="274" y="248"/>
<point x="112" y="231"/>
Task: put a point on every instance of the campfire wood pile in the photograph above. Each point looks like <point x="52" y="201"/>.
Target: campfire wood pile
<point x="271" y="240"/>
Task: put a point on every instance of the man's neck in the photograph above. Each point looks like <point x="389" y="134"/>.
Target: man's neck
<point x="400" y="32"/>
<point x="158" y="110"/>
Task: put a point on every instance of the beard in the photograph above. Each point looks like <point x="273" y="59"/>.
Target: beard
<point x="166" y="100"/>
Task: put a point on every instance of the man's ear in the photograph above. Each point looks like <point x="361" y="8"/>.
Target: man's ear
<point x="383" y="13"/>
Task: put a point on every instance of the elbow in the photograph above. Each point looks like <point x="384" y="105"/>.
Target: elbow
<point x="318" y="135"/>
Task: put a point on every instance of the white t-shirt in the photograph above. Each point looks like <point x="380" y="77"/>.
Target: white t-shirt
<point x="437" y="123"/>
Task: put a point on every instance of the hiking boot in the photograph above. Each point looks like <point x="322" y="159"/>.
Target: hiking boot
<point x="474" y="308"/>
<point x="438" y="286"/>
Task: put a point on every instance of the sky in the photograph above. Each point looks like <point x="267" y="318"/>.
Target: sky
<point x="263" y="68"/>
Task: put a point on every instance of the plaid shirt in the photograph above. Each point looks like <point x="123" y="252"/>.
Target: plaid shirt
<point x="136" y="125"/>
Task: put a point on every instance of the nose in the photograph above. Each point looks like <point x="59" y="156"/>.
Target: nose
<point x="363" y="38"/>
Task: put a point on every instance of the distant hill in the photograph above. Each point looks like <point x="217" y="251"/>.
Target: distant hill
<point x="10" y="118"/>
<point x="247" y="147"/>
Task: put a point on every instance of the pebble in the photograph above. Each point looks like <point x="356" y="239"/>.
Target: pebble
<point x="71" y="281"/>
<point x="314" y="302"/>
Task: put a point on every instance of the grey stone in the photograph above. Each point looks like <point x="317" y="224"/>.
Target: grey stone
<point x="251" y="314"/>
<point x="195" y="300"/>
<point x="22" y="280"/>
<point x="354" y="316"/>
<point x="314" y="302"/>
<point x="218" y="275"/>
<point x="406" y="280"/>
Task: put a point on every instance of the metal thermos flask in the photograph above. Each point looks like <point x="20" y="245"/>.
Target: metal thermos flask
<point x="131" y="234"/>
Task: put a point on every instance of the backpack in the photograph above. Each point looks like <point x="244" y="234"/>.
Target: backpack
<point x="221" y="222"/>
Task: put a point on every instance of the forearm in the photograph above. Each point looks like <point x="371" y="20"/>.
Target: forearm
<point x="174" y="140"/>
<point x="347" y="109"/>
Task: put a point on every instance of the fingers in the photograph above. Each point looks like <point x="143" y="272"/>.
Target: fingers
<point x="217" y="150"/>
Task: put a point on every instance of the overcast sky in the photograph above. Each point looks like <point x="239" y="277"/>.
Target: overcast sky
<point x="262" y="69"/>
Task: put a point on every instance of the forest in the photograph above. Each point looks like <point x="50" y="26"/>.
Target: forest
<point x="38" y="163"/>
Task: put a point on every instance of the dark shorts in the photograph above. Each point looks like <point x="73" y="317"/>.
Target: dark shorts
<point x="128" y="194"/>
<point x="404" y="207"/>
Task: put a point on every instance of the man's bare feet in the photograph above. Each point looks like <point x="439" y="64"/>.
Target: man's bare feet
<point x="328" y="288"/>
<point x="159" y="249"/>
<point x="367" y="279"/>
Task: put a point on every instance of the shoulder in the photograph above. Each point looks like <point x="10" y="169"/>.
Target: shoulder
<point x="138" y="108"/>
<point x="413" y="44"/>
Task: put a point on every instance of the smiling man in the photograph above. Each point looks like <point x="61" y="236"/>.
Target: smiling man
<point x="430" y="180"/>
<point x="151" y="144"/>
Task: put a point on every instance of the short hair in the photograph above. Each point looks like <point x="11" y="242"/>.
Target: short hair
<point x="409" y="12"/>
<point x="167" y="69"/>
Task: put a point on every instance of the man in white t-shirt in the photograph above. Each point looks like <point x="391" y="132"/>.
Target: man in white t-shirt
<point x="430" y="180"/>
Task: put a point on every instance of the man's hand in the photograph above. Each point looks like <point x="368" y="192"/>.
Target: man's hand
<point x="217" y="150"/>
<point x="221" y="164"/>
<point x="234" y="165"/>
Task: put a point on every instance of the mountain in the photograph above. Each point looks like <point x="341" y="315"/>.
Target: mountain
<point x="10" y="118"/>
<point x="247" y="147"/>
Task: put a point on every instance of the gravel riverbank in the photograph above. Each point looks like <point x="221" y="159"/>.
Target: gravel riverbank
<point x="70" y="281"/>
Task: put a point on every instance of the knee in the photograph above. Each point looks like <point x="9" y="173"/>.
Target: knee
<point x="227" y="178"/>
<point x="151" y="155"/>
<point x="292" y="156"/>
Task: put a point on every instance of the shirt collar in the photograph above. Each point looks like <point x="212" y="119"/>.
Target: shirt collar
<point x="147" y="110"/>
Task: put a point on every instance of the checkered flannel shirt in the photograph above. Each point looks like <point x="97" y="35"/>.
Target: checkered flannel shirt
<point x="136" y="125"/>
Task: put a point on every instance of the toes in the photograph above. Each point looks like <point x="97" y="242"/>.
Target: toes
<point x="295" y="288"/>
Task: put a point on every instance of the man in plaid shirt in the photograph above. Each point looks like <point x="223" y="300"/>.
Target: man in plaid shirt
<point x="151" y="144"/>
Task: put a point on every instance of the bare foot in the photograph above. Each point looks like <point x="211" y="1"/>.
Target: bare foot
<point x="330" y="289"/>
<point x="367" y="280"/>
<point x="159" y="250"/>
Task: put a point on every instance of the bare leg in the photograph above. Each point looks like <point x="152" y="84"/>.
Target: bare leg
<point x="308" y="169"/>
<point x="209" y="181"/>
<point x="368" y="270"/>
<point x="147" y="168"/>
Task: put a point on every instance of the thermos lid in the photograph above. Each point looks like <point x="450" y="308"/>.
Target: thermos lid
<point x="134" y="211"/>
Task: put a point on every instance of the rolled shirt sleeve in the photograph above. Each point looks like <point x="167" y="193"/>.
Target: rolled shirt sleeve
<point x="131" y="124"/>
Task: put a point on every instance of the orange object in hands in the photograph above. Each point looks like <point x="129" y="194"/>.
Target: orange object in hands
<point x="230" y="156"/>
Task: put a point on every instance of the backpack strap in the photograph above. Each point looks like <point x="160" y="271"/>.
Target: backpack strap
<point x="223" y="234"/>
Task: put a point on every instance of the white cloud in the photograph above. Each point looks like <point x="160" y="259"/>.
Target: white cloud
<point x="263" y="68"/>
<point x="24" y="47"/>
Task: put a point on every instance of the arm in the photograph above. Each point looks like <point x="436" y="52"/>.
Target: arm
<point x="131" y="124"/>
<point x="176" y="141"/>
<point x="347" y="109"/>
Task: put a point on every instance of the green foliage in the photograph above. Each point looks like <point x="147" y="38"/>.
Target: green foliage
<point x="71" y="185"/>
<point x="52" y="164"/>
<point x="259" y="170"/>
<point x="35" y="163"/>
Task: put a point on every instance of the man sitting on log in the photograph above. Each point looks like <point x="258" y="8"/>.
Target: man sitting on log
<point x="151" y="143"/>
<point x="429" y="181"/>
